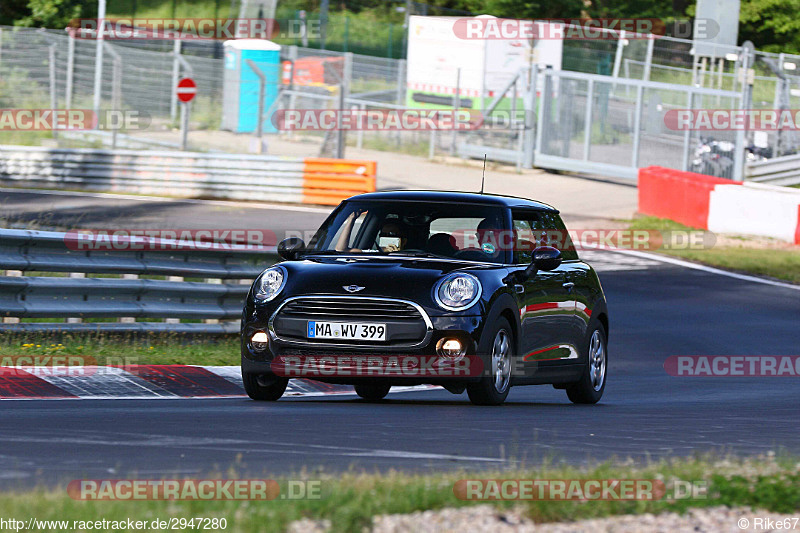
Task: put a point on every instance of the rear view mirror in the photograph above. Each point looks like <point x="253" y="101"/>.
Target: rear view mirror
<point x="544" y="258"/>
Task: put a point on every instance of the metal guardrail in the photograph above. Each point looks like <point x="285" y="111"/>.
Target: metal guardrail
<point x="783" y="170"/>
<point x="77" y="297"/>
<point x="188" y="174"/>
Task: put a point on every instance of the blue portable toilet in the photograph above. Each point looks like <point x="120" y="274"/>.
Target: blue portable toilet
<point x="241" y="84"/>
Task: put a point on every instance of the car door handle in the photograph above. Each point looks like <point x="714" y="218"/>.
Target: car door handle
<point x="568" y="285"/>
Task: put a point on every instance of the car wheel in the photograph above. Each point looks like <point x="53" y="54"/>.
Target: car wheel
<point x="372" y="391"/>
<point x="264" y="388"/>
<point x="589" y="389"/>
<point x="493" y="389"/>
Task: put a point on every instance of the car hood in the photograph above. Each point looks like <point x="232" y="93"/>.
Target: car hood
<point x="391" y="277"/>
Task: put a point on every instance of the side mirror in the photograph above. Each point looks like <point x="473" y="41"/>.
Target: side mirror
<point x="290" y="248"/>
<point x="544" y="258"/>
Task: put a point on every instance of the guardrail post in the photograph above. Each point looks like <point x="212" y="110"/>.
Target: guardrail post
<point x="215" y="281"/>
<point x="128" y="319"/>
<point x="12" y="319"/>
<point x="173" y="320"/>
<point x="75" y="320"/>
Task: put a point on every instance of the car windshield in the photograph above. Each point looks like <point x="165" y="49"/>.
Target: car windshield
<point x="421" y="229"/>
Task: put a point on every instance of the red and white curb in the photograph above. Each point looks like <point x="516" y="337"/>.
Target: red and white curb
<point x="720" y="205"/>
<point x="146" y="382"/>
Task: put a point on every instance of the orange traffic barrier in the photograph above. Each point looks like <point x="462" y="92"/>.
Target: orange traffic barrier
<point x="329" y="181"/>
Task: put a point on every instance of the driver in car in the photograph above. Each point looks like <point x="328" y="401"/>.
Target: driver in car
<point x="391" y="238"/>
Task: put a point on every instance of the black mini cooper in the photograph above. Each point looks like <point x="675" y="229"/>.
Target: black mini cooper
<point x="474" y="292"/>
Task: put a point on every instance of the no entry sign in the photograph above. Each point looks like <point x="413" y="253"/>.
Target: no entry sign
<point x="186" y="90"/>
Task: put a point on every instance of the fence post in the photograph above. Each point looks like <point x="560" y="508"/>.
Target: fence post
<point x="456" y="107"/>
<point x="176" y="66"/>
<point x="618" y="54"/>
<point x="344" y="94"/>
<point x="687" y="134"/>
<point x="637" y="125"/>
<point x="401" y="82"/>
<point x="116" y="91"/>
<point x="360" y="133"/>
<point x="587" y="134"/>
<point x="744" y="103"/>
<point x="98" y="58"/>
<point x="51" y="55"/>
<point x="262" y="91"/>
<point x="648" y="61"/>
<point x="530" y="116"/>
<point x="70" y="70"/>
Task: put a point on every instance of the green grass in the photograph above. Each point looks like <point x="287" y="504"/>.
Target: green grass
<point x="350" y="500"/>
<point x="104" y="348"/>
<point x="781" y="264"/>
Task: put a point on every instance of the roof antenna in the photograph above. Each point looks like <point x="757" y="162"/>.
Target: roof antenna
<point x="483" y="176"/>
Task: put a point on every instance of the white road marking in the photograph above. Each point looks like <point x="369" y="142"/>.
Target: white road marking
<point x="710" y="270"/>
<point x="602" y="261"/>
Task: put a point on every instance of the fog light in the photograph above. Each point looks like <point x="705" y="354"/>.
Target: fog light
<point x="259" y="342"/>
<point x="450" y="347"/>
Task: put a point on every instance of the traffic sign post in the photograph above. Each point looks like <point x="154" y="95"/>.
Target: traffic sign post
<point x="186" y="90"/>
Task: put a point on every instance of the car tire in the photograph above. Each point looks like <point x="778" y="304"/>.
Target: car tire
<point x="269" y="392"/>
<point x="497" y="348"/>
<point x="589" y="389"/>
<point x="372" y="392"/>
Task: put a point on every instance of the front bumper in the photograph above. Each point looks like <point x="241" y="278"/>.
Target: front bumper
<point x="467" y="329"/>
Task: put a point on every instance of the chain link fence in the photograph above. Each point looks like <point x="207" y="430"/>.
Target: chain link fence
<point x="48" y="68"/>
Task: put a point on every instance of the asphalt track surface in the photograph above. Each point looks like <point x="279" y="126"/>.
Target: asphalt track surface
<point x="656" y="309"/>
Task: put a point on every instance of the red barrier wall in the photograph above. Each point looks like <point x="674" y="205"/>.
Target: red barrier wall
<point x="677" y="195"/>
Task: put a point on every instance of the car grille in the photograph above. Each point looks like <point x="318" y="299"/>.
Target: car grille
<point x="365" y="309"/>
<point x="407" y="325"/>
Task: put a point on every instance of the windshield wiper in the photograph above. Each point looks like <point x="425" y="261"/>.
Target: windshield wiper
<point x="418" y="254"/>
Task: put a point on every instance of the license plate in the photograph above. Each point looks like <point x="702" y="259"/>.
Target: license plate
<point x="346" y="331"/>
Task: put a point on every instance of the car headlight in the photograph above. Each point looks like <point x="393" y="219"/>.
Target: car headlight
<point x="270" y="284"/>
<point x="457" y="292"/>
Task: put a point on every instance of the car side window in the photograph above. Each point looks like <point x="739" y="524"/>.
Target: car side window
<point x="527" y="229"/>
<point x="558" y="236"/>
<point x="540" y="228"/>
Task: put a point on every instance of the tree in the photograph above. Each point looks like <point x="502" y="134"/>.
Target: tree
<point x="772" y="25"/>
<point x="57" y="13"/>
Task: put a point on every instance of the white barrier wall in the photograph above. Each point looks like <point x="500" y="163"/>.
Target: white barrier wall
<point x="755" y="209"/>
